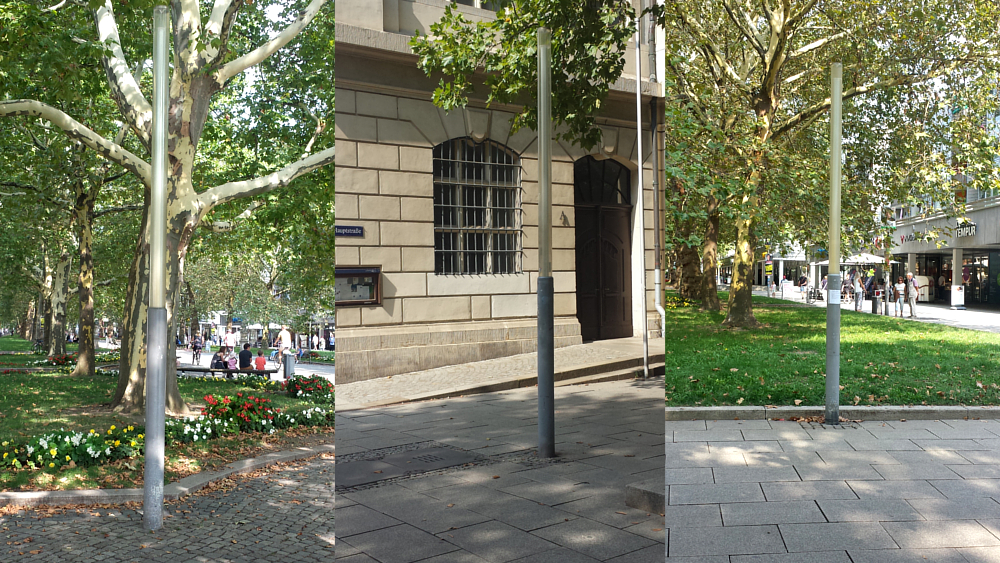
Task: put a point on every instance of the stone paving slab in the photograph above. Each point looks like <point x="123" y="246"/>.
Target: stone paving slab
<point x="507" y="504"/>
<point x="913" y="490"/>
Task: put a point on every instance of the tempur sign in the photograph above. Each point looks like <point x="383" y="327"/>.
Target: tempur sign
<point x="965" y="230"/>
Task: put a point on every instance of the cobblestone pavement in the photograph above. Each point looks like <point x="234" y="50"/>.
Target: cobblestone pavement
<point x="761" y="491"/>
<point x="446" y="378"/>
<point x="509" y="505"/>
<point x="283" y="514"/>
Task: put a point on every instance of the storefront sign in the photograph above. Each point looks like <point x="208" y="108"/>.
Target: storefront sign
<point x="965" y="230"/>
<point x="349" y="231"/>
<point x="912" y="237"/>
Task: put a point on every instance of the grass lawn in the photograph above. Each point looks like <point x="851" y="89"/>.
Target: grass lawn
<point x="884" y="360"/>
<point x="36" y="403"/>
<point x="24" y="357"/>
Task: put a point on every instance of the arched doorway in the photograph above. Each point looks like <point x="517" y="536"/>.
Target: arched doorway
<point x="603" y="206"/>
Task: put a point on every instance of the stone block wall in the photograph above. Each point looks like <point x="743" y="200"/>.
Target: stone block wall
<point x="384" y="182"/>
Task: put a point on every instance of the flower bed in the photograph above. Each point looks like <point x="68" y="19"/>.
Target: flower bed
<point x="67" y="449"/>
<point x="256" y="381"/>
<point x="60" y="360"/>
<point x="314" y="388"/>
<point x="242" y="413"/>
<point x="108" y="357"/>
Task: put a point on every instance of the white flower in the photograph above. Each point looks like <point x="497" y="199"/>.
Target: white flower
<point x="31" y="450"/>
<point x="107" y="451"/>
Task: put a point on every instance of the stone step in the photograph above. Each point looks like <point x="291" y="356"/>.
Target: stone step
<point x="655" y="370"/>
<point x="612" y="370"/>
<point x="646" y="495"/>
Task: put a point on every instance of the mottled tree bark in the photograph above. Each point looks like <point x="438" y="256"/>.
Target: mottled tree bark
<point x="84" y="217"/>
<point x="740" y="312"/>
<point x="710" y="257"/>
<point x="60" y="292"/>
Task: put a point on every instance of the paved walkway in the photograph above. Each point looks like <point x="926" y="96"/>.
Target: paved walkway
<point x="869" y="492"/>
<point x="503" y="504"/>
<point x="285" y="515"/>
<point x="936" y="313"/>
<point x="463" y="376"/>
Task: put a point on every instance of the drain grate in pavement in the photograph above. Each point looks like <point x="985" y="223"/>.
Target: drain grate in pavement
<point x="407" y="463"/>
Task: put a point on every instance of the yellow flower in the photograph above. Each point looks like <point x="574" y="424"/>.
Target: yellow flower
<point x="67" y="458"/>
<point x="109" y="432"/>
<point x="5" y="444"/>
<point x="112" y="426"/>
<point x="92" y="431"/>
<point x="53" y="452"/>
<point x="140" y="436"/>
<point x="133" y="445"/>
<point x="5" y="455"/>
<point x="52" y="465"/>
<point x="130" y="428"/>
<point x="117" y="443"/>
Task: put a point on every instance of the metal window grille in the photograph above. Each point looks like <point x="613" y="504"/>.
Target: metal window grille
<point x="477" y="208"/>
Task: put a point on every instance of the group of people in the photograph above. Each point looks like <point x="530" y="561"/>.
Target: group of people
<point x="903" y="291"/>
<point x="226" y="356"/>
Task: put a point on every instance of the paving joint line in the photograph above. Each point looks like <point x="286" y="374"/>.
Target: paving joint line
<point x="172" y="491"/>
<point x="529" y="460"/>
<point x="850" y="412"/>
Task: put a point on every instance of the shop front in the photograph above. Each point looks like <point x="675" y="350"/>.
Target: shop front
<point x="966" y="253"/>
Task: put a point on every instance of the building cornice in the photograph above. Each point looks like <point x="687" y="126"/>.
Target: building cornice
<point x="384" y="45"/>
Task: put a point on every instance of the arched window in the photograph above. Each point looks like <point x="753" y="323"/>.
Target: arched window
<point x="477" y="208"/>
<point x="602" y="182"/>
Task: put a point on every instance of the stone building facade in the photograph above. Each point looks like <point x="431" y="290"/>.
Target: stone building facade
<point x="445" y="205"/>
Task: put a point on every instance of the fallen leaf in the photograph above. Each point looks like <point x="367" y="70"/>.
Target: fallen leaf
<point x="734" y="369"/>
<point x="739" y="401"/>
<point x="798" y="402"/>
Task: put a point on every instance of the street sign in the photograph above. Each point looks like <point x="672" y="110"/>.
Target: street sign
<point x="349" y="231"/>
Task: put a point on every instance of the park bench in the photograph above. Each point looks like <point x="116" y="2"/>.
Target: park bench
<point x="225" y="372"/>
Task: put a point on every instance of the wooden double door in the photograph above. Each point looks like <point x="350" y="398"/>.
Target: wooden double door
<point x="603" y="249"/>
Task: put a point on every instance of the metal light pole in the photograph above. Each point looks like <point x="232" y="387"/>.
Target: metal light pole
<point x="640" y="213"/>
<point x="546" y="340"/>
<point x="833" y="279"/>
<point x="156" y="323"/>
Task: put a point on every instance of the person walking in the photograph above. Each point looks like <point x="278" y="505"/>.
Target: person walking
<point x="898" y="292"/>
<point x="803" y="286"/>
<point x="912" y="291"/>
<point x="284" y="343"/>
<point x="859" y="293"/>
<point x="230" y="340"/>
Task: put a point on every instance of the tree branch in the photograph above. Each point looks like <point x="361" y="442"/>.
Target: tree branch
<point x="121" y="209"/>
<point x="797" y="17"/>
<point x="124" y="88"/>
<point x="36" y="190"/>
<point x="226" y="226"/>
<point x="902" y="80"/>
<point x="77" y="131"/>
<point x="219" y="25"/>
<point x="744" y="24"/>
<point x="248" y="60"/>
<point x="713" y="50"/>
<point x="248" y="188"/>
<point x="819" y="43"/>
